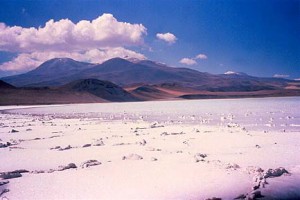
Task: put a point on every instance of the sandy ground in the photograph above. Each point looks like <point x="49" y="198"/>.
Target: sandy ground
<point x="137" y="159"/>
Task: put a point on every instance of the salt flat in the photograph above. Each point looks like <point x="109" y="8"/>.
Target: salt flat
<point x="152" y="150"/>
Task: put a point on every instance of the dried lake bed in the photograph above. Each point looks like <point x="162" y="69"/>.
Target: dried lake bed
<point x="198" y="149"/>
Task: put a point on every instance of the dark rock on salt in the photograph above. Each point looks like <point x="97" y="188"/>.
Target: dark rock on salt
<point x="14" y="131"/>
<point x="69" y="166"/>
<point x="10" y="175"/>
<point x="275" y="172"/>
<point x="86" y="145"/>
<point x="90" y="163"/>
<point x="3" y="182"/>
<point x="242" y="196"/>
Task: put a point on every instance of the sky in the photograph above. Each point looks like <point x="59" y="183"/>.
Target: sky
<point x="257" y="37"/>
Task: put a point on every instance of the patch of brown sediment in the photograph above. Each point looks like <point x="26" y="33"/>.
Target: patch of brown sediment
<point x="250" y="94"/>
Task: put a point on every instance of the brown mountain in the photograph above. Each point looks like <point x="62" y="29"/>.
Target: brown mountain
<point x="81" y="91"/>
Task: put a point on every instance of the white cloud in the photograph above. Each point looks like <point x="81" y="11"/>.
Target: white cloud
<point x="281" y="76"/>
<point x="192" y="61"/>
<point x="64" y="35"/>
<point x="90" y="41"/>
<point x="188" y="61"/>
<point x="167" y="37"/>
<point x="28" y="61"/>
<point x="297" y="79"/>
<point x="230" y="72"/>
<point x="201" y="56"/>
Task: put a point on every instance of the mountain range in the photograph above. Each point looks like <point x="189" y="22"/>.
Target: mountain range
<point x="63" y="80"/>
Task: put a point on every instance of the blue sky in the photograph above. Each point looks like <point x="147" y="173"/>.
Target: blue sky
<point x="258" y="37"/>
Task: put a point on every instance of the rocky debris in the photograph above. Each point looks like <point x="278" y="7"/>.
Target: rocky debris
<point x="57" y="147"/>
<point x="232" y="125"/>
<point x="153" y="149"/>
<point x="4" y="145"/>
<point x="156" y="125"/>
<point x="257" y="146"/>
<point x="255" y="195"/>
<point x="260" y="179"/>
<point x="14" y="131"/>
<point x="86" y="145"/>
<point x="69" y="166"/>
<point x="143" y="142"/>
<point x="214" y="198"/>
<point x="3" y="192"/>
<point x="38" y="172"/>
<point x="66" y="148"/>
<point x="153" y="159"/>
<point x="10" y="175"/>
<point x="90" y="163"/>
<point x="3" y="182"/>
<point x="180" y="133"/>
<point x="132" y="157"/>
<point x="20" y="171"/>
<point x="164" y="134"/>
<point x="270" y="173"/>
<point x="98" y="143"/>
<point x="241" y="196"/>
<point x="232" y="166"/>
<point x="254" y="170"/>
<point x="199" y="157"/>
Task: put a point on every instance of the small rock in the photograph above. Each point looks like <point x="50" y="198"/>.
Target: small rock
<point x="90" y="163"/>
<point x="86" y="145"/>
<point x="275" y="172"/>
<point x="132" y="157"/>
<point x="2" y="192"/>
<point x="3" y="182"/>
<point x="143" y="142"/>
<point x="214" y="198"/>
<point x="20" y="171"/>
<point x="255" y="194"/>
<point x="14" y="131"/>
<point x="98" y="143"/>
<point x="57" y="147"/>
<point x="153" y="159"/>
<point x="199" y="157"/>
<point x="257" y="146"/>
<point x="232" y="166"/>
<point x="10" y="175"/>
<point x="69" y="166"/>
<point x="242" y="196"/>
<point x="66" y="148"/>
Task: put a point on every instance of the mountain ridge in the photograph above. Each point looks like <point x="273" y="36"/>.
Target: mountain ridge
<point x="122" y="72"/>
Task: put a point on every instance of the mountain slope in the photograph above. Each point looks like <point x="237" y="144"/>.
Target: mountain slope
<point x="57" y="68"/>
<point x="103" y="89"/>
<point x="4" y="85"/>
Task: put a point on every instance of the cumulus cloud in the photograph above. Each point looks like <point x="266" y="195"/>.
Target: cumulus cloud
<point x="167" y="37"/>
<point x="188" y="61"/>
<point x="281" y="76"/>
<point x="91" y="41"/>
<point x="192" y="61"/>
<point x="201" y="56"/>
<point x="64" y="35"/>
<point x="29" y="61"/>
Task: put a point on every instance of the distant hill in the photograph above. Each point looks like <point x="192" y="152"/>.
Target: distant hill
<point x="81" y="91"/>
<point x="4" y="85"/>
<point x="103" y="89"/>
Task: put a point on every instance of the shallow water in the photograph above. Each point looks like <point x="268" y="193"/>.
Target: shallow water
<point x="265" y="114"/>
